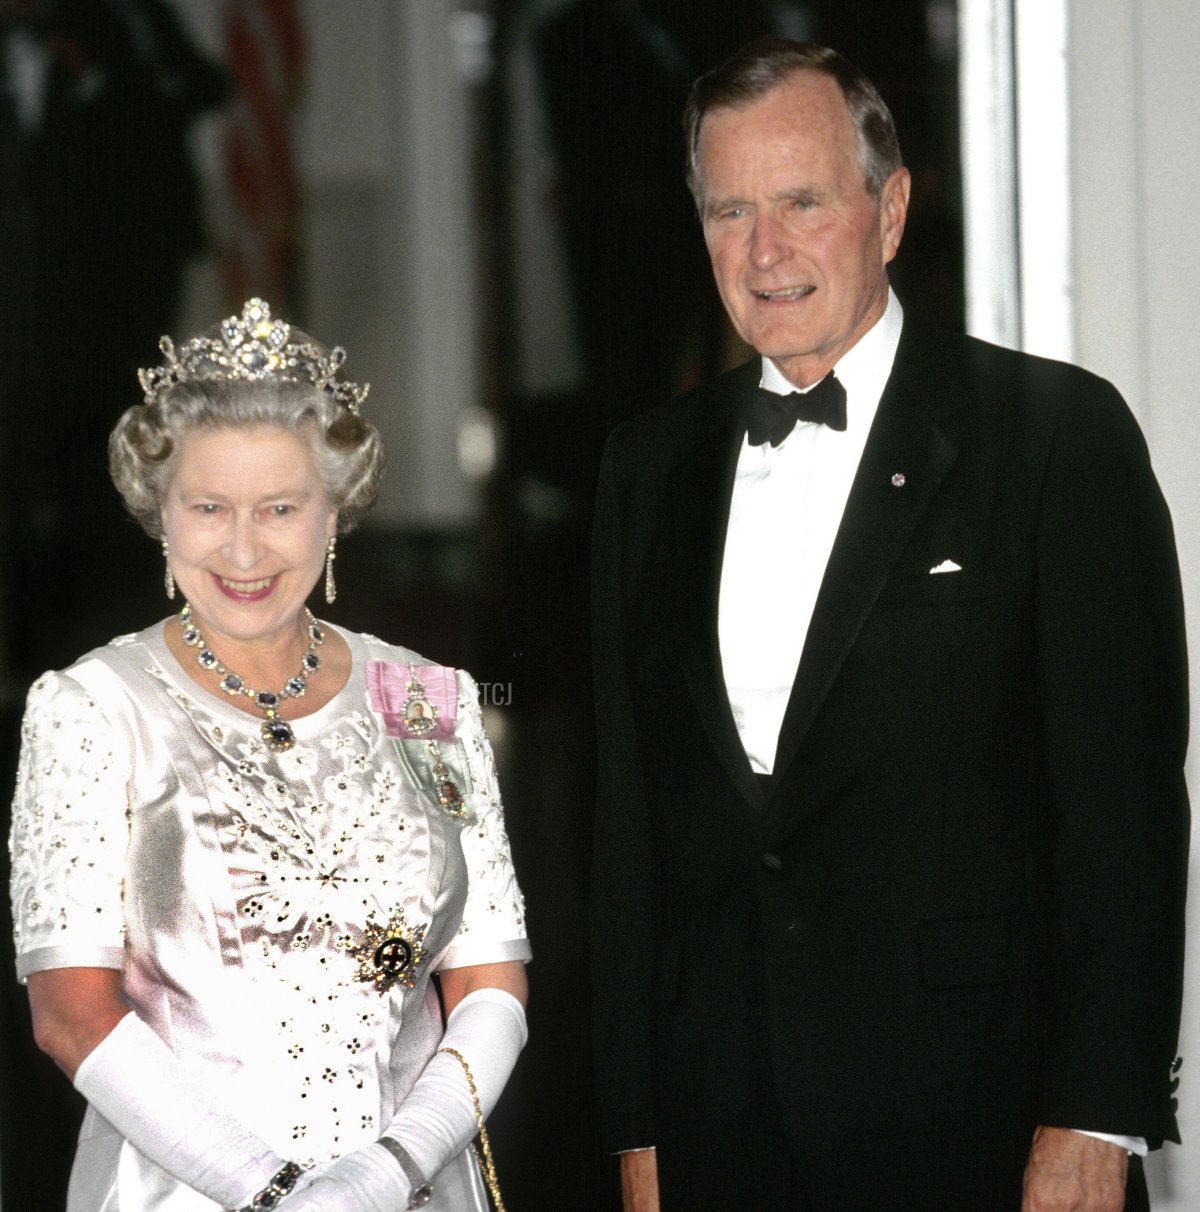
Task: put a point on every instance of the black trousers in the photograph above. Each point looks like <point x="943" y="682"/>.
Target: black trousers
<point x="1137" y="1198"/>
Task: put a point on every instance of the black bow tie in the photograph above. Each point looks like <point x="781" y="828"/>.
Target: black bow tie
<point x="771" y="417"/>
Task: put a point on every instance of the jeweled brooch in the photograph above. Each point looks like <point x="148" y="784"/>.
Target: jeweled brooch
<point x="390" y="955"/>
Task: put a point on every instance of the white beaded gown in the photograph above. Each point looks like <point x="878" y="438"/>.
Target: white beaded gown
<point x="243" y="893"/>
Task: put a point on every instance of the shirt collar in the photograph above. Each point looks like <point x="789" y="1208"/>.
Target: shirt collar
<point x="863" y="369"/>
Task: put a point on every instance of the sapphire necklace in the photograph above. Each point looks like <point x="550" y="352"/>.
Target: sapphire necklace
<point x="277" y="734"/>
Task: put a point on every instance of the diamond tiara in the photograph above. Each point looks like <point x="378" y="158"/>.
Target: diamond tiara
<point x="252" y="347"/>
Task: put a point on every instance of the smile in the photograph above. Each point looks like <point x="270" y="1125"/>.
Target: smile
<point x="246" y="586"/>
<point x="246" y="591"/>
<point x="785" y="295"/>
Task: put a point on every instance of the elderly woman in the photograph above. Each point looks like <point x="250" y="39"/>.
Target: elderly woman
<point x="243" y="840"/>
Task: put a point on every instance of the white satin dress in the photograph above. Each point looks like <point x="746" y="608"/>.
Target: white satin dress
<point x="238" y="891"/>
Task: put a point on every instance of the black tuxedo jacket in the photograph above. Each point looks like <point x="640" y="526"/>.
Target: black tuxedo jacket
<point x="957" y="913"/>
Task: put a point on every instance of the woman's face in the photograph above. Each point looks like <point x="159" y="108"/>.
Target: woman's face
<point x="248" y="522"/>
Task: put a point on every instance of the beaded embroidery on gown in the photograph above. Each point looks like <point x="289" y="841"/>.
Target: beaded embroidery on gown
<point x="244" y="892"/>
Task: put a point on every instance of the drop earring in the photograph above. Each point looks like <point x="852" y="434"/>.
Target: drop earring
<point x="330" y="587"/>
<point x="168" y="579"/>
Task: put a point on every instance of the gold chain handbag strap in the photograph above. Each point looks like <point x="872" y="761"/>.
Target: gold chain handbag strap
<point x="486" y="1163"/>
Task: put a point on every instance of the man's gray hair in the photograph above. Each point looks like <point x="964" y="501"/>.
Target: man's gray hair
<point x="761" y="66"/>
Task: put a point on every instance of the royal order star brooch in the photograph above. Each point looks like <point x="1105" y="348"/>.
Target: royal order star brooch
<point x="390" y="955"/>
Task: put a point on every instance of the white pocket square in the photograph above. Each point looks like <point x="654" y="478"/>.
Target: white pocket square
<point x="946" y="566"/>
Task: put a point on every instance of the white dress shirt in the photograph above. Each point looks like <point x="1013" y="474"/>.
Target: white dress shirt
<point x="784" y="514"/>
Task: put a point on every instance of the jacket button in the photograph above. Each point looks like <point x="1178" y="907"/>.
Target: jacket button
<point x="772" y="862"/>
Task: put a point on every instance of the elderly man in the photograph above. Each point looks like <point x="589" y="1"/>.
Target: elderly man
<point x="891" y="702"/>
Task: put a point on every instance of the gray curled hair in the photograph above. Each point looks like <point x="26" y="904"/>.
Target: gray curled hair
<point x="144" y="446"/>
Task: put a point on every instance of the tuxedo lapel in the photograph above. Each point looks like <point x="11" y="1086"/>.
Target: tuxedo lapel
<point x="701" y="488"/>
<point x="906" y="457"/>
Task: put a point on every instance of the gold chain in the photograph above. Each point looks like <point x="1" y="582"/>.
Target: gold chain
<point x="486" y="1163"/>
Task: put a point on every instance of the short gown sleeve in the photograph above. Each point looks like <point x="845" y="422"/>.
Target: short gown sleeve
<point x="69" y="831"/>
<point x="493" y="923"/>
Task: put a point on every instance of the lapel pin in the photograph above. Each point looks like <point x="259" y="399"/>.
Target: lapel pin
<point x="899" y="480"/>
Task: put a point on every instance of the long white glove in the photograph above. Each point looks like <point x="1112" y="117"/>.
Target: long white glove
<point x="137" y="1083"/>
<point x="437" y="1118"/>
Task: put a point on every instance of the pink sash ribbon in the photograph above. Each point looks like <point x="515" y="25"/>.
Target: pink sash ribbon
<point x="390" y="696"/>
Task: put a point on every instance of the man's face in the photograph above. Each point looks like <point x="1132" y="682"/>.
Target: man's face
<point x="798" y="246"/>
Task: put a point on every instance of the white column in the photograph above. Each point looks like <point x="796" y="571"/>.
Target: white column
<point x="1043" y="177"/>
<point x="988" y="145"/>
<point x="428" y="268"/>
<point x="1016" y="173"/>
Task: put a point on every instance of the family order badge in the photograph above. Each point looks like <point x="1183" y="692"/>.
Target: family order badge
<point x="419" y="703"/>
<point x="420" y="715"/>
<point x="448" y="793"/>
